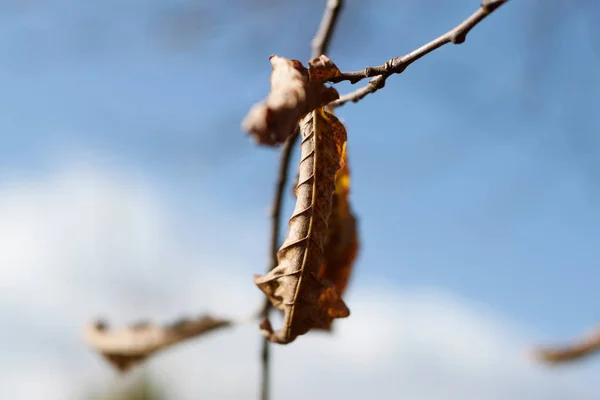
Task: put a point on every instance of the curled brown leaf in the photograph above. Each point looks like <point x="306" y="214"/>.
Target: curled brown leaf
<point x="294" y="286"/>
<point x="132" y="345"/>
<point x="293" y="95"/>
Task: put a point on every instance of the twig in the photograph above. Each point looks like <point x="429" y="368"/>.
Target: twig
<point x="582" y="348"/>
<point x="284" y="165"/>
<point x="319" y="44"/>
<point x="134" y="344"/>
<point x="397" y="65"/>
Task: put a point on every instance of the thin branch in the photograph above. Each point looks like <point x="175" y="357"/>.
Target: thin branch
<point x="284" y="165"/>
<point x="320" y="44"/>
<point x="134" y="344"/>
<point x="577" y="350"/>
<point x="397" y="65"/>
<point x="321" y="41"/>
<point x="374" y="85"/>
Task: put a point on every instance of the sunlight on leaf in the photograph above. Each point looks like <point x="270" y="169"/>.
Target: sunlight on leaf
<point x="294" y="286"/>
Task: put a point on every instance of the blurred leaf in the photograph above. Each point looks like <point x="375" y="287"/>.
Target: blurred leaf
<point x="132" y="345"/>
<point x="293" y="94"/>
<point x="575" y="351"/>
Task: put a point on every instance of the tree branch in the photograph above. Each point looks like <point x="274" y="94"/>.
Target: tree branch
<point x="397" y="65"/>
<point x="319" y="44"/>
<point x="284" y="165"/>
<point x="577" y="350"/>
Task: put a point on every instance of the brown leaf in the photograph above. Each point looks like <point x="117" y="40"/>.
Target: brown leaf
<point x="321" y="69"/>
<point x="294" y="286"/>
<point x="292" y="96"/>
<point x="341" y="246"/>
<point x="134" y="344"/>
<point x="573" y="352"/>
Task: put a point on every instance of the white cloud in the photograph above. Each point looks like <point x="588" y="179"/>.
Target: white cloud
<point x="81" y="243"/>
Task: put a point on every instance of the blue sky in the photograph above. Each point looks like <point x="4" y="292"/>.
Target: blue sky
<point x="475" y="172"/>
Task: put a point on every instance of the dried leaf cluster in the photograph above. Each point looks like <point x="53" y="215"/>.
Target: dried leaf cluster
<point x="310" y="272"/>
<point x="299" y="285"/>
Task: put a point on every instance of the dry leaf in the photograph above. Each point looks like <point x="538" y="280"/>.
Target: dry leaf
<point x="292" y="96"/>
<point x="322" y="69"/>
<point x="134" y="344"/>
<point x="341" y="246"/>
<point x="575" y="351"/>
<point x="294" y="286"/>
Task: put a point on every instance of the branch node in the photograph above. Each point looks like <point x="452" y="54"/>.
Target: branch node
<point x="390" y="65"/>
<point x="378" y="82"/>
<point x="398" y="65"/>
<point x="458" y="37"/>
<point x="491" y="5"/>
<point x="355" y="79"/>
